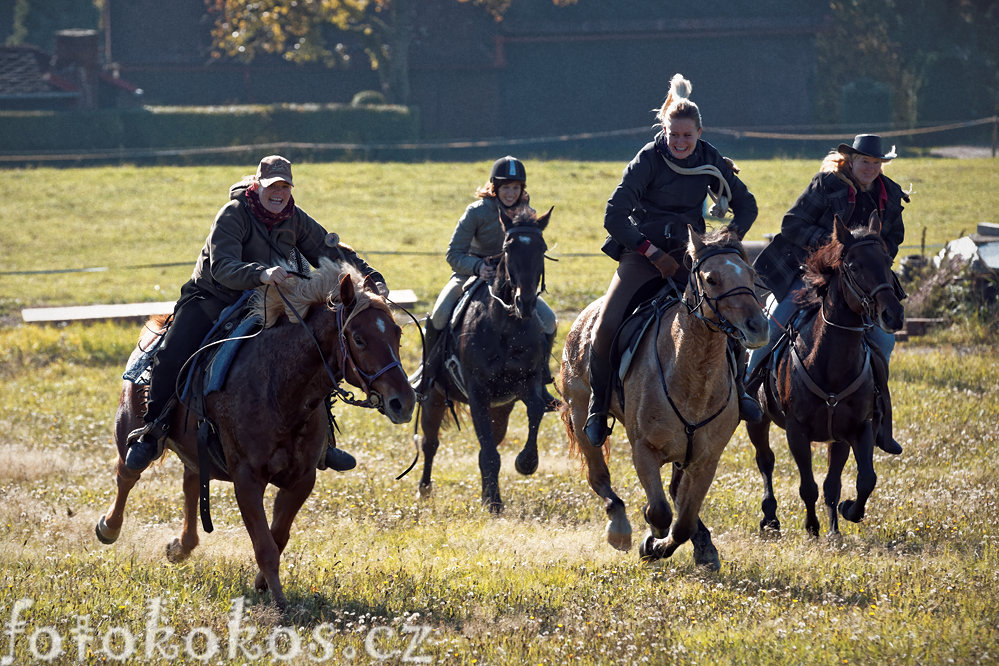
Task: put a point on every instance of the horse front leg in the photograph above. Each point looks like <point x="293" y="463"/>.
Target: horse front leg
<point x="658" y="513"/>
<point x="489" y="457"/>
<point x="832" y="487"/>
<point x="127" y="417"/>
<point x="863" y="453"/>
<point x="801" y="450"/>
<point x="759" y="435"/>
<point x="180" y="548"/>
<point x="705" y="553"/>
<point x="287" y="503"/>
<point x="250" y="499"/>
<point x="430" y="423"/>
<point x="527" y="460"/>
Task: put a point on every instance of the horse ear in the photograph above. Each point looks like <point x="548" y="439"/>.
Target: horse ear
<point x="695" y="240"/>
<point x="875" y="222"/>
<point x="504" y="219"/>
<point x="370" y="284"/>
<point x="543" y="220"/>
<point x="840" y="233"/>
<point x="346" y="290"/>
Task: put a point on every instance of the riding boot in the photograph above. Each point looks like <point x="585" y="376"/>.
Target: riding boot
<point x="749" y="408"/>
<point x="145" y="444"/>
<point x="338" y="459"/>
<point x="551" y="402"/>
<point x="882" y="421"/>
<point x="596" y="429"/>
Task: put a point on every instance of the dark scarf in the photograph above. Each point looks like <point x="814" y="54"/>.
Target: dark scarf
<point x="257" y="208"/>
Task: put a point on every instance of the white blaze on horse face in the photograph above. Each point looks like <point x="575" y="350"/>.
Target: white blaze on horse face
<point x="381" y="326"/>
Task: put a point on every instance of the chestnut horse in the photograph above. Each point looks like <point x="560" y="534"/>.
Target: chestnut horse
<point x="501" y="352"/>
<point x="270" y="415"/>
<point x="824" y="389"/>
<point x="680" y="401"/>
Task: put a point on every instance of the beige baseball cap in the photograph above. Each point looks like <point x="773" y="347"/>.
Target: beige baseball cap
<point x="272" y="169"/>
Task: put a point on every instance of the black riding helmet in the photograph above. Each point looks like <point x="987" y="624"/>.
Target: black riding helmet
<point x="506" y="169"/>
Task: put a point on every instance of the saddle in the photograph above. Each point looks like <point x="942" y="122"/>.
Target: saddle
<point x="443" y="355"/>
<point x="631" y="332"/>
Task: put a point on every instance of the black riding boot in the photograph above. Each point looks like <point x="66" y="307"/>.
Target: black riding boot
<point x="596" y="429"/>
<point x="145" y="444"/>
<point x="882" y="424"/>
<point x="551" y="402"/>
<point x="337" y="459"/>
<point x="749" y="408"/>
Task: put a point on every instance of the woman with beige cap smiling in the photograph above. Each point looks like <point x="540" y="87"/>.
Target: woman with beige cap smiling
<point x="254" y="237"/>
<point x="851" y="184"/>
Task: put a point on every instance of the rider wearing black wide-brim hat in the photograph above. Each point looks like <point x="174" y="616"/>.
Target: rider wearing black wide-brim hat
<point x="851" y="184"/>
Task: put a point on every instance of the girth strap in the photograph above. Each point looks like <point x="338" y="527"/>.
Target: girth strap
<point x="831" y="399"/>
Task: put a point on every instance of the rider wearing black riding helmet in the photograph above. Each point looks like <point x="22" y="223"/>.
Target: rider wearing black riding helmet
<point x="478" y="235"/>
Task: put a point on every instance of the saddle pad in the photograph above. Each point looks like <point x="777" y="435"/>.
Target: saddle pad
<point x="634" y="327"/>
<point x="218" y="368"/>
<point x="137" y="368"/>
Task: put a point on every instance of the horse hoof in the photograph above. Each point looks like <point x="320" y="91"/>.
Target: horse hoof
<point x="770" y="529"/>
<point x="176" y="553"/>
<point x="526" y="462"/>
<point x="645" y="549"/>
<point x="260" y="583"/>
<point x="104" y="535"/>
<point x="618" y="540"/>
<point x="425" y="490"/>
<point x="847" y="510"/>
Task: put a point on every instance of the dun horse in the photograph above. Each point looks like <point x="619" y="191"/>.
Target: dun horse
<point x="824" y="390"/>
<point x="501" y="351"/>
<point x="680" y="402"/>
<point x="271" y="416"/>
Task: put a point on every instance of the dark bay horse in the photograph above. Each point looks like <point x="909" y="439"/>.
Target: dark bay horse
<point x="680" y="404"/>
<point x="824" y="390"/>
<point x="271" y="416"/>
<point x="501" y="351"/>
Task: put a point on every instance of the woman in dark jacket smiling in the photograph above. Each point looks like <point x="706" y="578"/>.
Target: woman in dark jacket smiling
<point x="851" y="185"/>
<point x="662" y="191"/>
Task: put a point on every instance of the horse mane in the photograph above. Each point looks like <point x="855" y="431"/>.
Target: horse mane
<point x="724" y="237"/>
<point x="322" y="287"/>
<point x="822" y="264"/>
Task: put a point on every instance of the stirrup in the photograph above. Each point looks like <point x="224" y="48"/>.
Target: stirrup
<point x="596" y="429"/>
<point x="144" y="445"/>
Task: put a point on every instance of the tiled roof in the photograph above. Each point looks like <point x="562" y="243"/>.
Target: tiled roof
<point x="22" y="72"/>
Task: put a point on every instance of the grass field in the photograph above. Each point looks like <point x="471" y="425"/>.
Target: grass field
<point x="375" y="576"/>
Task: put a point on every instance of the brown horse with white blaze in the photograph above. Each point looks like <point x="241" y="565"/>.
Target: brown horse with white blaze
<point x="270" y="415"/>
<point x="680" y="403"/>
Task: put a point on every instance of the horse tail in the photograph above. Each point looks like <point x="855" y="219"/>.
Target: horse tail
<point x="565" y="413"/>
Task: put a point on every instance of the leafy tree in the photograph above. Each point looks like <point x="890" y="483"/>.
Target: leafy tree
<point x="313" y="31"/>
<point x="911" y="45"/>
<point x="36" y="21"/>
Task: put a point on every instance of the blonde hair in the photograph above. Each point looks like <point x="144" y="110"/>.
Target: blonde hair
<point x="678" y="104"/>
<point x="840" y="163"/>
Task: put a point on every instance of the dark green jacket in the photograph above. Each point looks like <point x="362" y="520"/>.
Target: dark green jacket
<point x="239" y="249"/>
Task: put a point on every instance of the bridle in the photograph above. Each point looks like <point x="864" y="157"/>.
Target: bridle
<point x="853" y="286"/>
<point x="511" y="308"/>
<point x="719" y="323"/>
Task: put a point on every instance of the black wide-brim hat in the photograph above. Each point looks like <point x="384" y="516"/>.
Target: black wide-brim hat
<point x="867" y="144"/>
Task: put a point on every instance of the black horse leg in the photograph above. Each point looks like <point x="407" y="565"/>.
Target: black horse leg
<point x="489" y="458"/>
<point x="832" y="487"/>
<point x="863" y="453"/>
<point x="808" y="490"/>
<point x="527" y="460"/>
<point x="759" y="435"/>
<point x="430" y="424"/>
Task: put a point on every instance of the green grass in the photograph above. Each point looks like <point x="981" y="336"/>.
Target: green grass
<point x="915" y="583"/>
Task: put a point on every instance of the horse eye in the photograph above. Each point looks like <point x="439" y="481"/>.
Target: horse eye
<point x="358" y="341"/>
<point x="711" y="279"/>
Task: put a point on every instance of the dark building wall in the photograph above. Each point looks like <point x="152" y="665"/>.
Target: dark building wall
<point x="590" y="67"/>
